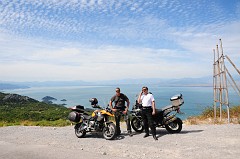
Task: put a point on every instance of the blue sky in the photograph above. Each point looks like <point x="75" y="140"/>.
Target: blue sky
<point x="92" y="40"/>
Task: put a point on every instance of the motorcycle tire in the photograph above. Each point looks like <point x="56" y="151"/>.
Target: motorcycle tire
<point x="78" y="132"/>
<point x="109" y="132"/>
<point x="175" y="126"/>
<point x="137" y="125"/>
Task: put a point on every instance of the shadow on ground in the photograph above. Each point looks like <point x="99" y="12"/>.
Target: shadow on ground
<point x="162" y="132"/>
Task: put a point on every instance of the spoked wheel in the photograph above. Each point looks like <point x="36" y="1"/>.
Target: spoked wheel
<point x="137" y="125"/>
<point x="79" y="131"/>
<point x="175" y="126"/>
<point x="109" y="131"/>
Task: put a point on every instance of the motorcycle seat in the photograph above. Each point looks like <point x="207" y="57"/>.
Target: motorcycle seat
<point x="158" y="110"/>
<point x="166" y="107"/>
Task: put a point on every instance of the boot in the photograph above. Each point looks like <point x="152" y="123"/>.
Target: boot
<point x="146" y="135"/>
<point x="118" y="132"/>
<point x="130" y="133"/>
<point x="155" y="137"/>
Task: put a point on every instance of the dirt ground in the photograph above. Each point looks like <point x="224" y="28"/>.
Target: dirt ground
<point x="193" y="142"/>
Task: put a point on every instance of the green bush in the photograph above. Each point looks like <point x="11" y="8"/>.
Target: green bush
<point x="18" y="110"/>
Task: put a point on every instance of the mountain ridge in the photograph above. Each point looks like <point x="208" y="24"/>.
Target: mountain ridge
<point x="206" y="81"/>
<point x="202" y="81"/>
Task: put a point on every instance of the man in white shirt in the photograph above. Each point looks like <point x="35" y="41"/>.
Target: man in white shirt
<point x="148" y="110"/>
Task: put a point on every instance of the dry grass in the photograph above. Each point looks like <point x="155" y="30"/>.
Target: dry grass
<point x="207" y="117"/>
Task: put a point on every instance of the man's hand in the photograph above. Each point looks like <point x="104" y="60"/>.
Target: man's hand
<point x="153" y="113"/>
<point x="125" y="112"/>
<point x="114" y="110"/>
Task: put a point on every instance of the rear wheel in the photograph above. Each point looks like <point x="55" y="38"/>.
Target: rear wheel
<point x="175" y="126"/>
<point x="79" y="131"/>
<point x="109" y="131"/>
<point x="137" y="125"/>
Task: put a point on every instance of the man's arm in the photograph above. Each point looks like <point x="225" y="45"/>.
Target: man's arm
<point x="110" y="104"/>
<point x="154" y="108"/>
<point x="139" y="100"/>
<point x="128" y="104"/>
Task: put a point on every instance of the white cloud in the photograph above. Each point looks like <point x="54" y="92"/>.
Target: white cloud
<point x="99" y="40"/>
<point x="97" y="71"/>
<point x="104" y="63"/>
<point x="202" y="41"/>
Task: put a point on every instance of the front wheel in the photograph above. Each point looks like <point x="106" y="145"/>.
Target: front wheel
<point x="109" y="131"/>
<point x="175" y="126"/>
<point x="137" y="124"/>
<point x="79" y="131"/>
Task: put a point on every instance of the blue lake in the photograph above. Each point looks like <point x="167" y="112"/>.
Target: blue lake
<point x="195" y="98"/>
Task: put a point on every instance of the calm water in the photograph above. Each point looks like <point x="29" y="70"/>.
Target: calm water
<point x="195" y="98"/>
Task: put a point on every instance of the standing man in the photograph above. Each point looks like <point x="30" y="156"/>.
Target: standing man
<point x="148" y="110"/>
<point x="120" y="109"/>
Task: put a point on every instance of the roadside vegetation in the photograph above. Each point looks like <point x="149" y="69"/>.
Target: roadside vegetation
<point x="22" y="110"/>
<point x="207" y="116"/>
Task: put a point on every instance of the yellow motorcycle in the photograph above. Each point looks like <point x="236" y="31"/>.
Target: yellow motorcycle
<point x="98" y="122"/>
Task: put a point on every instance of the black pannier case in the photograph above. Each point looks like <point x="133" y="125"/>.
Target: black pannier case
<point x="74" y="116"/>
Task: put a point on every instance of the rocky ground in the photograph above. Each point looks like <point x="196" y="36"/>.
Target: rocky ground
<point x="194" y="142"/>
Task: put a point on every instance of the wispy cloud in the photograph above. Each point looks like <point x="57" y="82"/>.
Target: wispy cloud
<point x="108" y="39"/>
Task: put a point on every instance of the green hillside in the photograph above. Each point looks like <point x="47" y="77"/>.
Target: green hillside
<point x="16" y="109"/>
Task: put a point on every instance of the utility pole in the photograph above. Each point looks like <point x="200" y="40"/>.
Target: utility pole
<point x="225" y="86"/>
<point x="220" y="88"/>
<point x="214" y="86"/>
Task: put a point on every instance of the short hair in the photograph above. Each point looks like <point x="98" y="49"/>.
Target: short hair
<point x="144" y="87"/>
<point x="118" y="89"/>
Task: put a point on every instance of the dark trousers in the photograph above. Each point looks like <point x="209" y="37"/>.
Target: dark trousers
<point x="126" y="119"/>
<point x="148" y="121"/>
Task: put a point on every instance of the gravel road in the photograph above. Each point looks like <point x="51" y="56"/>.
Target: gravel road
<point x="194" y="142"/>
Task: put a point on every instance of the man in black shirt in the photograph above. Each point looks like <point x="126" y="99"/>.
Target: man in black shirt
<point x="120" y="109"/>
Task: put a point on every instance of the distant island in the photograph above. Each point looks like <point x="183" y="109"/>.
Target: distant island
<point x="12" y="86"/>
<point x="48" y="99"/>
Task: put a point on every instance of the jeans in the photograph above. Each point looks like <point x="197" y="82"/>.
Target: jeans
<point x="118" y="116"/>
<point x="148" y="121"/>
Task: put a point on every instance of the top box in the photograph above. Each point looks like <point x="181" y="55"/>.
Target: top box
<point x="177" y="100"/>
